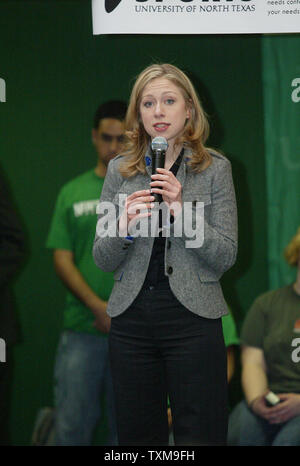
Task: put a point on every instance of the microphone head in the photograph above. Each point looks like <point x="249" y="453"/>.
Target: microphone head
<point x="159" y="143"/>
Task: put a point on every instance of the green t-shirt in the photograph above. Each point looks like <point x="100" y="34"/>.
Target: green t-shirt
<point x="73" y="228"/>
<point x="272" y="324"/>
<point x="229" y="330"/>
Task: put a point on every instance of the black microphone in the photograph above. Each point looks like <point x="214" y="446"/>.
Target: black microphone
<point x="159" y="146"/>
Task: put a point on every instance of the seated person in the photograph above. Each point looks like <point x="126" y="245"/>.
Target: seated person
<point x="270" y="363"/>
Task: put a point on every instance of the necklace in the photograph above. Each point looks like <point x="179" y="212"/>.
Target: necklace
<point x="178" y="159"/>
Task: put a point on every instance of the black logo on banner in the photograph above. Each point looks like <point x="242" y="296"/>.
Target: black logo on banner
<point x="110" y="5"/>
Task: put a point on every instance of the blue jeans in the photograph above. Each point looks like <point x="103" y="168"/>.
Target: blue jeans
<point x="82" y="375"/>
<point x="247" y="429"/>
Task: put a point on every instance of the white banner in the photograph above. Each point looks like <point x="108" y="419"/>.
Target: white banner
<point x="195" y="16"/>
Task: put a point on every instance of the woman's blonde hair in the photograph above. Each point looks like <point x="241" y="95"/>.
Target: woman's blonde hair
<point x="196" y="129"/>
<point x="292" y="251"/>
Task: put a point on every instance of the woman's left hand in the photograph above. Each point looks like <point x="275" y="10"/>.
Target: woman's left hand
<point x="166" y="184"/>
<point x="288" y="408"/>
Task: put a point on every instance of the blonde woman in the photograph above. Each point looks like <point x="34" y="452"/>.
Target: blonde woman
<point x="166" y="305"/>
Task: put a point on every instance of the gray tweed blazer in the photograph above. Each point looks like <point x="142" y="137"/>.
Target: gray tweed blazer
<point x="193" y="272"/>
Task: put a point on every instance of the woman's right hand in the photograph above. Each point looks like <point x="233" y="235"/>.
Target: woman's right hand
<point x="137" y="206"/>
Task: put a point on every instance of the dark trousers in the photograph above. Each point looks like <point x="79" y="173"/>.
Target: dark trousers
<point x="158" y="348"/>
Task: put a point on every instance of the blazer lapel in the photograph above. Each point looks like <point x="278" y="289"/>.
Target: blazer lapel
<point x="181" y="174"/>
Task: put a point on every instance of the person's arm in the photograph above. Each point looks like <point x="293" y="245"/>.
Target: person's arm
<point x="110" y="249"/>
<point x="72" y="278"/>
<point x="230" y="362"/>
<point x="254" y="380"/>
<point x="11" y="238"/>
<point x="231" y="339"/>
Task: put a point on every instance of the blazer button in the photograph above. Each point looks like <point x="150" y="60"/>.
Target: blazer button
<point x="169" y="244"/>
<point x="170" y="270"/>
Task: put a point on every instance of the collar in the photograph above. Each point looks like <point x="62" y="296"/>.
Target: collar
<point x="148" y="159"/>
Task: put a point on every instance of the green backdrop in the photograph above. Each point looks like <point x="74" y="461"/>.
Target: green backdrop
<point x="56" y="74"/>
<point x="281" y="80"/>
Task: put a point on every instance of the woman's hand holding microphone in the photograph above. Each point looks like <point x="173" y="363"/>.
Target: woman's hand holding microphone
<point x="166" y="184"/>
<point x="138" y="205"/>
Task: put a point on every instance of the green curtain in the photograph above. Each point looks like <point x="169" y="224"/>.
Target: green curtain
<point x="281" y="81"/>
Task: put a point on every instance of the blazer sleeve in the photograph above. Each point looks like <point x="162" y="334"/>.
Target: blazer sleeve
<point x="109" y="248"/>
<point x="218" y="249"/>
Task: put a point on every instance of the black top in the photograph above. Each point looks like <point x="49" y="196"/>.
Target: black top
<point x="156" y="271"/>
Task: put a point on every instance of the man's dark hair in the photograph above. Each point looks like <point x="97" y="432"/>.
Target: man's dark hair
<point x="113" y="109"/>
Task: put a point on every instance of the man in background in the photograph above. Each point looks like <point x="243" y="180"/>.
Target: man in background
<point x="82" y="373"/>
